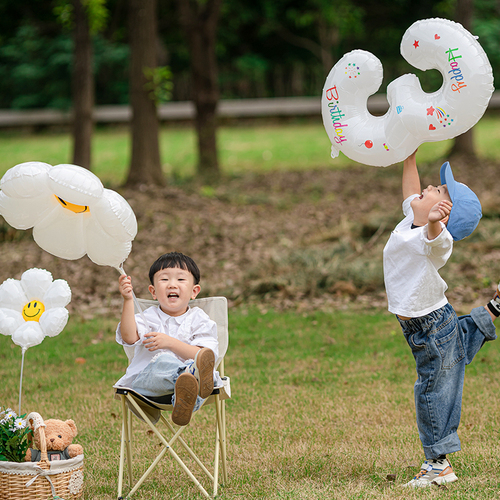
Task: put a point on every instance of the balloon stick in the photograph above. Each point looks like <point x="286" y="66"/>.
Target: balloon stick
<point x="24" y="349"/>
<point x="136" y="302"/>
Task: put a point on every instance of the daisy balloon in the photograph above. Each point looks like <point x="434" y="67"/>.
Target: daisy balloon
<point x="70" y="211"/>
<point x="33" y="307"/>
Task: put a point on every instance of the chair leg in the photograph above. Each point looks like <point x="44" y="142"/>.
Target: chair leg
<point x="158" y="458"/>
<point x="221" y="421"/>
<point x="125" y="447"/>
<point x="216" y="458"/>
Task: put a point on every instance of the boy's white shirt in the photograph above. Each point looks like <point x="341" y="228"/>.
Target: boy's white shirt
<point x="411" y="264"/>
<point x="194" y="327"/>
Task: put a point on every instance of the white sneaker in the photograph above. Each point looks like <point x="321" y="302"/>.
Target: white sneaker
<point x="432" y="472"/>
<point x="494" y="304"/>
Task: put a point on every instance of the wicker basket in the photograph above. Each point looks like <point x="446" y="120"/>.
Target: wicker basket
<point x="41" y="480"/>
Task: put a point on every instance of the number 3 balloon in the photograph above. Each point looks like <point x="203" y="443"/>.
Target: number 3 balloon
<point x="414" y="116"/>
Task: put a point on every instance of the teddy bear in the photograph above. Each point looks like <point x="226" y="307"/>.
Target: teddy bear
<point x="58" y="438"/>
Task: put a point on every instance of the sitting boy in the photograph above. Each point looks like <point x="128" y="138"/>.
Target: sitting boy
<point x="441" y="343"/>
<point x="177" y="348"/>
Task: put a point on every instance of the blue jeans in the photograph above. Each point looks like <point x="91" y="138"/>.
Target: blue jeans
<point x="160" y="375"/>
<point x="442" y="346"/>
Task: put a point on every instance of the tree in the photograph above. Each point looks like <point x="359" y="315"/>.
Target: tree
<point x="145" y="165"/>
<point x="82" y="88"/>
<point x="199" y="19"/>
<point x="463" y="145"/>
<point x="84" y="18"/>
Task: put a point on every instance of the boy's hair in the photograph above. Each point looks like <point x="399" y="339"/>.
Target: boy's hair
<point x="174" y="259"/>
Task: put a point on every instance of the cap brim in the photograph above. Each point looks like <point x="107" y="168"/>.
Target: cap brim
<point x="448" y="179"/>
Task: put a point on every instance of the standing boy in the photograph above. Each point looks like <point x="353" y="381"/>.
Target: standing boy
<point x="441" y="343"/>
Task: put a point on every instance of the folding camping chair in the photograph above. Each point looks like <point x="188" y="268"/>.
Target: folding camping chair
<point x="151" y="412"/>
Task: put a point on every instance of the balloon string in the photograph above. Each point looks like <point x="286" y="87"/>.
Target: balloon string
<point x="136" y="302"/>
<point x="24" y="349"/>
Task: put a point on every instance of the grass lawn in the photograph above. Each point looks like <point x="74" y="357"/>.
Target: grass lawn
<point x="322" y="407"/>
<point x="301" y="146"/>
<point x="322" y="404"/>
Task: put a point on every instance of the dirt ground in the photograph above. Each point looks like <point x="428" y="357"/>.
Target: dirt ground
<point x="270" y="240"/>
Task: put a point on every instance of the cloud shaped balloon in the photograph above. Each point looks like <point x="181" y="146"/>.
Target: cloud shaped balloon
<point x="70" y="211"/>
<point x="33" y="307"/>
<point x="414" y="116"/>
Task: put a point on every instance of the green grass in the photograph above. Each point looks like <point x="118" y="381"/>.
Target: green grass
<point x="322" y="407"/>
<point x="322" y="402"/>
<point x="242" y="149"/>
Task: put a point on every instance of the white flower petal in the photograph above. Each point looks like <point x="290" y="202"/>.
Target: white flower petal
<point x="58" y="295"/>
<point x="61" y="234"/>
<point x="75" y="184"/>
<point x="35" y="283"/>
<point x="103" y="249"/>
<point x="12" y="295"/>
<point x="10" y="321"/>
<point x="115" y="216"/>
<point x="28" y="335"/>
<point x="26" y="180"/>
<point x="53" y="321"/>
<point x="23" y="213"/>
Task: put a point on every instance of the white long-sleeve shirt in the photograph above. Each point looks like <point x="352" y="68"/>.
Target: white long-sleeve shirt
<point x="194" y="327"/>
<point x="411" y="264"/>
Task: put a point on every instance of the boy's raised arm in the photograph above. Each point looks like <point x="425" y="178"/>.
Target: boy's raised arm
<point x="411" y="179"/>
<point x="128" y="327"/>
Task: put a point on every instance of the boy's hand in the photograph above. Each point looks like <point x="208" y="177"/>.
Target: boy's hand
<point x="125" y="285"/>
<point x="440" y="211"/>
<point x="156" y="340"/>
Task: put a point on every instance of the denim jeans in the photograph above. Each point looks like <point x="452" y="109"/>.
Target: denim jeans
<point x="442" y="346"/>
<point x="160" y="375"/>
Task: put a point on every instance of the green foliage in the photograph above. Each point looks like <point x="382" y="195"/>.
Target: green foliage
<point x="14" y="434"/>
<point x="111" y="60"/>
<point x="159" y="83"/>
<point x="63" y="11"/>
<point x="35" y="70"/>
<point x="264" y="49"/>
<point x="96" y="11"/>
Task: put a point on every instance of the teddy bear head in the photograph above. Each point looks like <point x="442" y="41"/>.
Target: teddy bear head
<point x="58" y="434"/>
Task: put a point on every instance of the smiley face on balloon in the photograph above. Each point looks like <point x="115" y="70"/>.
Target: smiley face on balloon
<point x="33" y="310"/>
<point x="414" y="116"/>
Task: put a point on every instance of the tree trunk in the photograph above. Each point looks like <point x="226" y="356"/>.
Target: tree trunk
<point x="83" y="88"/>
<point x="145" y="165"/>
<point x="463" y="144"/>
<point x="199" y="21"/>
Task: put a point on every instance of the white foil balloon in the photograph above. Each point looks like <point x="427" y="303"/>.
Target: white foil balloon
<point x="70" y="211"/>
<point x="414" y="116"/>
<point x="33" y="307"/>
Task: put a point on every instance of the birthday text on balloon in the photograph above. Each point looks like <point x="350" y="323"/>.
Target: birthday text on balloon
<point x="457" y="72"/>
<point x="336" y="114"/>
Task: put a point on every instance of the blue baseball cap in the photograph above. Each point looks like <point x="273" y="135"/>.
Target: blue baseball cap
<point x="466" y="211"/>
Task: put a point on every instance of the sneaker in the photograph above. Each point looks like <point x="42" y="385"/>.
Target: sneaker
<point x="203" y="370"/>
<point x="186" y="392"/>
<point x="494" y="304"/>
<point x="432" y="472"/>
